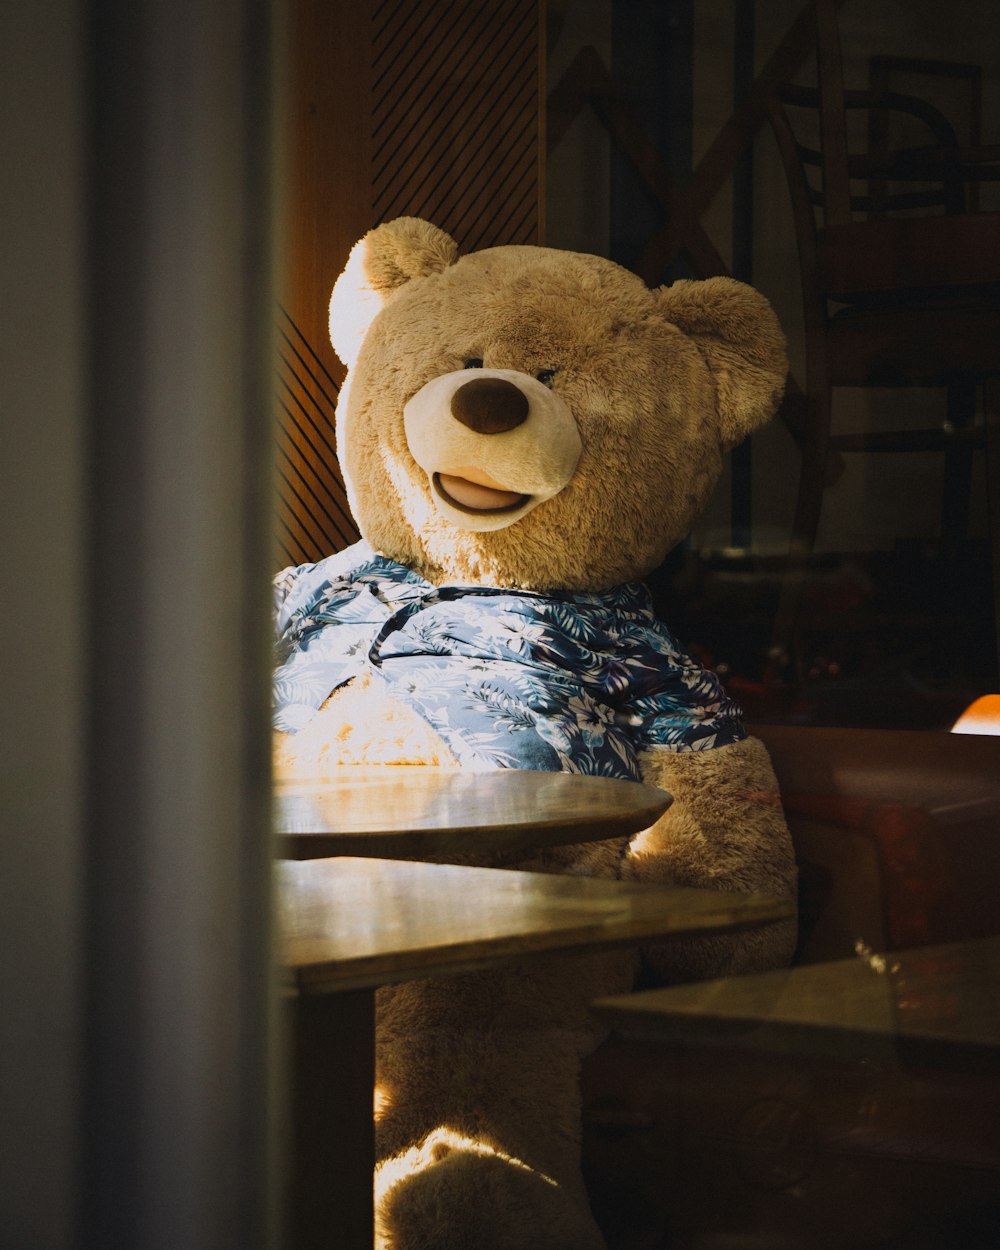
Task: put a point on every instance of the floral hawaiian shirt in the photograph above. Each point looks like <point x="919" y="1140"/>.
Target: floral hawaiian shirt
<point x="566" y="682"/>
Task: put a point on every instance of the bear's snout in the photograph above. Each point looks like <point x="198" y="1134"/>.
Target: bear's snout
<point x="490" y="405"/>
<point x="481" y="483"/>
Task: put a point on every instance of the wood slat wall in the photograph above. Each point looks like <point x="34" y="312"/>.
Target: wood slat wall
<point x="313" y="518"/>
<point x="428" y="108"/>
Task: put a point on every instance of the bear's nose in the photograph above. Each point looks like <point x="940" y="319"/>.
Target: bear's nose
<point x="489" y="405"/>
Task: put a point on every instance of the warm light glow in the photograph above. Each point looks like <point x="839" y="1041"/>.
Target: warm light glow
<point x="436" y="1147"/>
<point x="876" y="961"/>
<point x="383" y="1102"/>
<point x="980" y="717"/>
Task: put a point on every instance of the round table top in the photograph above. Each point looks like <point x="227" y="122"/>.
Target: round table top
<point x="415" y="812"/>
<point x="348" y="923"/>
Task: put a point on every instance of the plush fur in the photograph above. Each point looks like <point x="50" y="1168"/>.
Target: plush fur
<point x="632" y="397"/>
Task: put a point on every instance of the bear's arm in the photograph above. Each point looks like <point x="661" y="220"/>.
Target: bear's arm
<point x="725" y="830"/>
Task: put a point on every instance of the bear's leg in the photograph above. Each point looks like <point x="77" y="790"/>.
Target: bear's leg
<point x="478" y="1132"/>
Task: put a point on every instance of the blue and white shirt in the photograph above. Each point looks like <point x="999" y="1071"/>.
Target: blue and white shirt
<point x="571" y="682"/>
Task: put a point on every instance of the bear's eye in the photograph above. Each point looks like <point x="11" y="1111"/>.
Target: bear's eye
<point x="474" y="362"/>
<point x="545" y="376"/>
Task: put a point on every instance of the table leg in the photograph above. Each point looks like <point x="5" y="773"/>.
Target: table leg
<point x="332" y="1130"/>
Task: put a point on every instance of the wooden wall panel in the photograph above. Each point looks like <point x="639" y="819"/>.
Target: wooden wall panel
<point x="313" y="518"/>
<point x="428" y="108"/>
<point x="456" y="117"/>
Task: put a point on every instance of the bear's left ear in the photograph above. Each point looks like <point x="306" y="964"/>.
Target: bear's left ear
<point x="384" y="260"/>
<point x="740" y="337"/>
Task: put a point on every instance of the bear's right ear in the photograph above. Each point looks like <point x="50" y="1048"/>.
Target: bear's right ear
<point x="386" y="258"/>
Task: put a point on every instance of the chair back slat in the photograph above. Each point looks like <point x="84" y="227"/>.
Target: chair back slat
<point x="833" y="125"/>
<point x="937" y="163"/>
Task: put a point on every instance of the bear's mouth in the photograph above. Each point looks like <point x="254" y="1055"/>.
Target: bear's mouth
<point x="470" y="496"/>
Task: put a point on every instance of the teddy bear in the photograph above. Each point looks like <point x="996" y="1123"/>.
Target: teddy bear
<point x="524" y="435"/>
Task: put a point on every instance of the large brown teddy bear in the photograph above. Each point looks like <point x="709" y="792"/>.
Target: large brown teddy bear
<point x="525" y="433"/>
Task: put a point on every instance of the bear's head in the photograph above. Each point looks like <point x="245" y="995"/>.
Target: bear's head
<point x="534" y="418"/>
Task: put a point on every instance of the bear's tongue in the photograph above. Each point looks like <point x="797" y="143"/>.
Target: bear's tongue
<point x="473" y="495"/>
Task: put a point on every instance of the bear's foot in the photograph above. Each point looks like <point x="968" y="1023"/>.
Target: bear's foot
<point x="454" y="1193"/>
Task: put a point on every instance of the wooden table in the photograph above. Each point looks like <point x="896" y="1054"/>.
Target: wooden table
<point x="347" y="925"/>
<point x="936" y="1006"/>
<point x="423" y="813"/>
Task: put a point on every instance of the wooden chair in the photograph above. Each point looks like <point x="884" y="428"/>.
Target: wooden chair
<point x="900" y="288"/>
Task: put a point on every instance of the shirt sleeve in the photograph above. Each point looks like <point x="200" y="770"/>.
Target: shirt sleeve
<point x="685" y="707"/>
<point x="297" y="587"/>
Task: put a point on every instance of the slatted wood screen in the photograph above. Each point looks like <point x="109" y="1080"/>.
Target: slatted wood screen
<point x="428" y="108"/>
